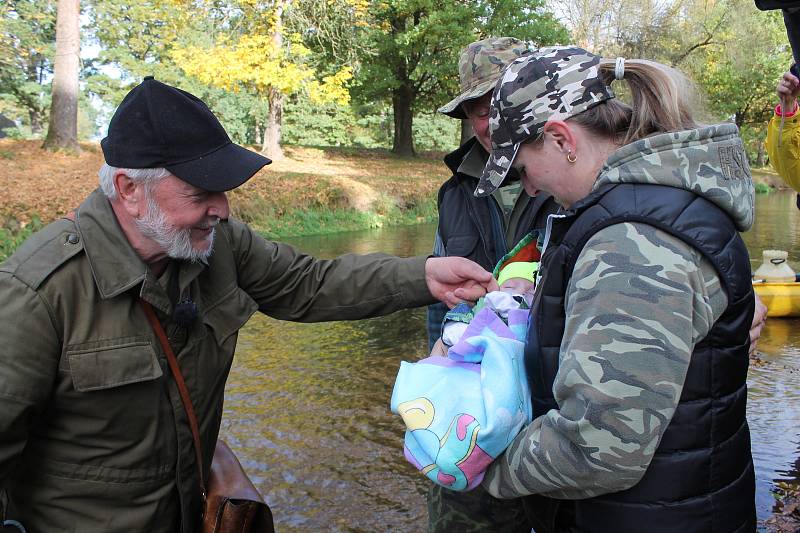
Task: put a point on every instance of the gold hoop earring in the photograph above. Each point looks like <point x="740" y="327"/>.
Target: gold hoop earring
<point x="571" y="158"/>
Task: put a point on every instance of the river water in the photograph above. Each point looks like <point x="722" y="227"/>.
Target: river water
<point x="307" y="405"/>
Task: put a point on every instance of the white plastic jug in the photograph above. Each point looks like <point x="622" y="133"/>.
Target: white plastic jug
<point x="775" y="269"/>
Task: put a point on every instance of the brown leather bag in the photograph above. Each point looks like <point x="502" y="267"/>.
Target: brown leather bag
<point x="231" y="503"/>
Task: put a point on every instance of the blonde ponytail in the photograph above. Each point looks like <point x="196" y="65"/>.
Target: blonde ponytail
<point x="662" y="100"/>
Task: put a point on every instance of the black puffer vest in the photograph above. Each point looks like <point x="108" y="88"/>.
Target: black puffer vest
<point x="701" y="478"/>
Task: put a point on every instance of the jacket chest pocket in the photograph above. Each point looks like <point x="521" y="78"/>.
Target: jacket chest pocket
<point x="110" y="407"/>
<point x="114" y="365"/>
<point x="226" y="316"/>
<point x="461" y="245"/>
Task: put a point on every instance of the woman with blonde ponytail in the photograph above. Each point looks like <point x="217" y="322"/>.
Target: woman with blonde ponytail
<point x="637" y="350"/>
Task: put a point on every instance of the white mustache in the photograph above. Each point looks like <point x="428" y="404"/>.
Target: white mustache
<point x="210" y="225"/>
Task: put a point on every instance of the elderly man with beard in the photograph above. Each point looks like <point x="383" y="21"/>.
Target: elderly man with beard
<point x="93" y="433"/>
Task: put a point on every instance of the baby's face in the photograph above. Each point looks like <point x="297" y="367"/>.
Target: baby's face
<point x="517" y="286"/>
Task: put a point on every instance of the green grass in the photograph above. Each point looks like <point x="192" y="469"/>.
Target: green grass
<point x="321" y="221"/>
<point x="762" y="188"/>
<point x="329" y="211"/>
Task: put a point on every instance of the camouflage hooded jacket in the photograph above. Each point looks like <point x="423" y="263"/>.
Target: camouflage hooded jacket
<point x="683" y="300"/>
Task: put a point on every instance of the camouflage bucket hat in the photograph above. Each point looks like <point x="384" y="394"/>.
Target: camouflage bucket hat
<point x="551" y="84"/>
<point x="479" y="68"/>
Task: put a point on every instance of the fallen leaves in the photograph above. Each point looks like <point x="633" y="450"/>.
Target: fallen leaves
<point x="36" y="182"/>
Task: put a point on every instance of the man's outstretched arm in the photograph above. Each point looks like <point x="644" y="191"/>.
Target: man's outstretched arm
<point x="291" y="285"/>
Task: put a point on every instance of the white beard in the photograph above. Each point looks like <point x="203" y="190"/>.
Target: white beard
<point x="175" y="242"/>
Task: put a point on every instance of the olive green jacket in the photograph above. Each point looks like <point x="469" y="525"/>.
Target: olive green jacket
<point x="93" y="435"/>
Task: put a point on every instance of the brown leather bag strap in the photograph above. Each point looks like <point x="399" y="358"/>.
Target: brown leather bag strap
<point x="184" y="392"/>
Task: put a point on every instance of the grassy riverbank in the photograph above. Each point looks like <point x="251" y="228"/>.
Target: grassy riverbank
<point x="311" y="191"/>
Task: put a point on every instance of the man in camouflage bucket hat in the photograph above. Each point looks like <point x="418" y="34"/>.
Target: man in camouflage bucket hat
<point x="479" y="68"/>
<point x="482" y="229"/>
<point x="637" y="349"/>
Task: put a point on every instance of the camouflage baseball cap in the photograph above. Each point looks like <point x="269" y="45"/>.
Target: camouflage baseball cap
<point x="479" y="68"/>
<point x="551" y="84"/>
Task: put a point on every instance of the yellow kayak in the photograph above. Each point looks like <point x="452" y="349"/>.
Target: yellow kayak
<point x="781" y="299"/>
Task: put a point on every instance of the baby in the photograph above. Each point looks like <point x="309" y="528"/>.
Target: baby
<point x="463" y="405"/>
<point x="516" y="282"/>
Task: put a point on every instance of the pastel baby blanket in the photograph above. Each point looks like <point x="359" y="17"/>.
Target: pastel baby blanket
<point x="463" y="410"/>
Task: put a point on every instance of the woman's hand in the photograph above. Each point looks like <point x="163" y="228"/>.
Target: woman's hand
<point x="759" y="319"/>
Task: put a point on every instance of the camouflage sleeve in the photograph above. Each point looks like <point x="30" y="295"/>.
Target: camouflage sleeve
<point x="638" y="302"/>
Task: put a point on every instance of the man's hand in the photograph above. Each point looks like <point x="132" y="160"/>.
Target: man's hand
<point x="456" y="279"/>
<point x="759" y="319"/>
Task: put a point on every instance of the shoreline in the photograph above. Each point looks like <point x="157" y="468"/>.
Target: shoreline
<point x="312" y="191"/>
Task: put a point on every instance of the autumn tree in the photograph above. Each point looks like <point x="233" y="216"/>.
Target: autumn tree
<point x="734" y="52"/>
<point x="665" y="31"/>
<point x="62" y="131"/>
<point x="334" y="31"/>
<point x="257" y="56"/>
<point x="135" y="40"/>
<point x="738" y="76"/>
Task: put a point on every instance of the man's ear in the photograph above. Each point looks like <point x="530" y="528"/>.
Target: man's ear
<point x="559" y="132"/>
<point x="129" y="193"/>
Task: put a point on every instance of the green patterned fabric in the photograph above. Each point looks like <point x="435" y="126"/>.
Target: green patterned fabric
<point x="479" y="68"/>
<point x="475" y="511"/>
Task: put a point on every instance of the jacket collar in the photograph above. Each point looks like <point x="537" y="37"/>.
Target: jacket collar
<point x="454" y="159"/>
<point x="469" y="160"/>
<point x="115" y="265"/>
<point x="474" y="162"/>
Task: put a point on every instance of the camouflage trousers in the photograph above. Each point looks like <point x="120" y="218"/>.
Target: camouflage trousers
<point x="474" y="511"/>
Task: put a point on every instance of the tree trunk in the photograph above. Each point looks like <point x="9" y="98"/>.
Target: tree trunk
<point x="403" y="144"/>
<point x="272" y="132"/>
<point x="466" y="131"/>
<point x="62" y="132"/>
<point x="760" y="159"/>
<point x="258" y="138"/>
<point x="36" y="122"/>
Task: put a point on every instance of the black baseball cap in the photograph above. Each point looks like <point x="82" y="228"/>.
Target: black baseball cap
<point x="157" y="125"/>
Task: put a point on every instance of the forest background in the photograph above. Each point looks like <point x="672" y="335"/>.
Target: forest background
<point x="298" y="77"/>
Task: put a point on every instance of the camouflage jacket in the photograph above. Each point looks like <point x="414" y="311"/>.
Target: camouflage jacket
<point x="684" y="300"/>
